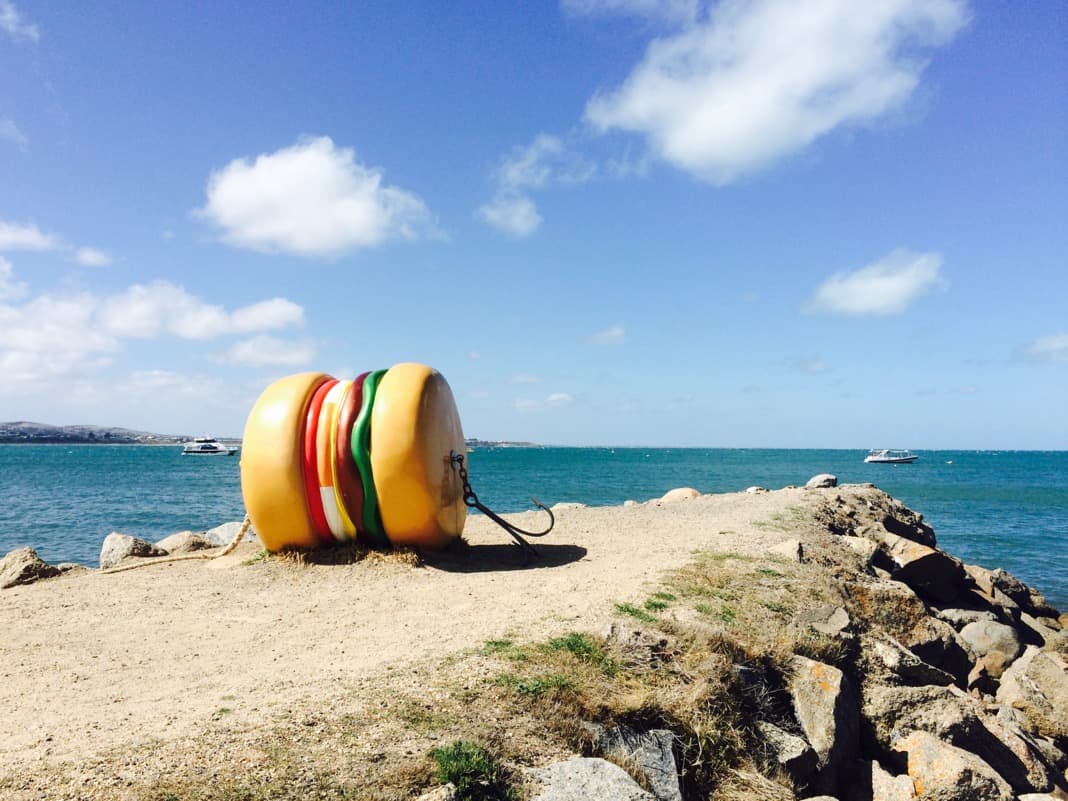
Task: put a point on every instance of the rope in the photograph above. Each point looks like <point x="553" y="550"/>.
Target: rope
<point x="184" y="557"/>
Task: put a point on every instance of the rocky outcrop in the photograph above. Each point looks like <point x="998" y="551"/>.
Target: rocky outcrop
<point x="117" y="547"/>
<point x="585" y="779"/>
<point x="24" y="566"/>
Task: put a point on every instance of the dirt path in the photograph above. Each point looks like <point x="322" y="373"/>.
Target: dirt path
<point x="89" y="661"/>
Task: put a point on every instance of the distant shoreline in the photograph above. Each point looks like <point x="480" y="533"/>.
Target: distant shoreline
<point x="26" y="433"/>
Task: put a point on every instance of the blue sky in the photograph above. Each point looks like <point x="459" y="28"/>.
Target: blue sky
<point x="766" y="223"/>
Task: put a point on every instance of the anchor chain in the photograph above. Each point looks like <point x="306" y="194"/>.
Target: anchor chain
<point x="472" y="501"/>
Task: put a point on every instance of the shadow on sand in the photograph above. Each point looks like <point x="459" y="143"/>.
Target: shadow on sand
<point x="464" y="558"/>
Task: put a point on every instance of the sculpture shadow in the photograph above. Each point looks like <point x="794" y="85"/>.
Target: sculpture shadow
<point x="464" y="558"/>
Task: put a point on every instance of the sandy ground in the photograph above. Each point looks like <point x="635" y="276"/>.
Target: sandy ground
<point x="90" y="662"/>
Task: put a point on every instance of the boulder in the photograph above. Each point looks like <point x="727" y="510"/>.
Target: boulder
<point x="894" y="713"/>
<point x="184" y="542"/>
<point x="629" y="503"/>
<point x="680" y="494"/>
<point x="890" y="605"/>
<point x="118" y="546"/>
<point x="959" y="618"/>
<point x="987" y="636"/>
<point x="931" y="572"/>
<point x="822" y="481"/>
<point x="904" y="522"/>
<point x="825" y="705"/>
<point x="1041" y="631"/>
<point x="861" y="546"/>
<point x="830" y="620"/>
<point x="787" y="752"/>
<point x="650" y="753"/>
<point x="899" y="660"/>
<point x="942" y="772"/>
<point x="1017" y="757"/>
<point x="985" y="594"/>
<point x="586" y="779"/>
<point x="1037" y="685"/>
<point x="755" y="490"/>
<point x="938" y="644"/>
<point x="224" y="534"/>
<point x="1028" y="599"/>
<point x="24" y="566"/>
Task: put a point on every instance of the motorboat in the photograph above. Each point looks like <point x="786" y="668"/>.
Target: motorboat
<point x="207" y="446"/>
<point x="890" y="456"/>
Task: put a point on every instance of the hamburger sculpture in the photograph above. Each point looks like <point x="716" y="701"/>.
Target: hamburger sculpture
<point x="326" y="461"/>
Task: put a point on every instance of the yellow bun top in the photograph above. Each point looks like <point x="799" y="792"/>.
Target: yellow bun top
<point x="272" y="479"/>
<point x="414" y="428"/>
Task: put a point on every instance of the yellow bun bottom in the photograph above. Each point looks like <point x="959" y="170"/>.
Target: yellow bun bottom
<point x="272" y="478"/>
<point x="414" y="428"/>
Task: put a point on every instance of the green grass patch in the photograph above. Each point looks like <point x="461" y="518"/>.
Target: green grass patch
<point x="633" y="611"/>
<point x="769" y="572"/>
<point x="655" y="605"/>
<point x="585" y="648"/>
<point x="474" y="771"/>
<point x="506" y="649"/>
<point x="535" y="686"/>
<point x="775" y="606"/>
<point x="665" y="596"/>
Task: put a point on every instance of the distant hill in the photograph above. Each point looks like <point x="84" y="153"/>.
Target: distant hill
<point x="43" y="433"/>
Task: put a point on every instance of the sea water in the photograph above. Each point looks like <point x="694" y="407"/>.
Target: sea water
<point x="993" y="508"/>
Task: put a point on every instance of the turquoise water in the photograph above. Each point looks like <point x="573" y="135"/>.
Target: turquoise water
<point x="997" y="509"/>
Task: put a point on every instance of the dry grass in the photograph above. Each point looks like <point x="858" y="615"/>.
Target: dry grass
<point x="344" y="554"/>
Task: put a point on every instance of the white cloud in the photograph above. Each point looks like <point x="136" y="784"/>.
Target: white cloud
<point x="91" y="257"/>
<point x="266" y="315"/>
<point x="545" y="161"/>
<point x="516" y="215"/>
<point x="813" y="365"/>
<point x="1052" y="348"/>
<point x="311" y="199"/>
<point x="9" y="288"/>
<point x="266" y="350"/>
<point x="150" y="310"/>
<point x="614" y="335"/>
<point x="11" y="132"/>
<point x="15" y="25"/>
<point x="758" y="81"/>
<point x="59" y="337"/>
<point x="523" y="378"/>
<point x="557" y="400"/>
<point x="886" y="287"/>
<point x="20" y="236"/>
<point x="50" y="338"/>
<point x="669" y="11"/>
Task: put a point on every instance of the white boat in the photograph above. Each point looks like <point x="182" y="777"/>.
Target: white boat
<point x="207" y="446"/>
<point x="890" y="456"/>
